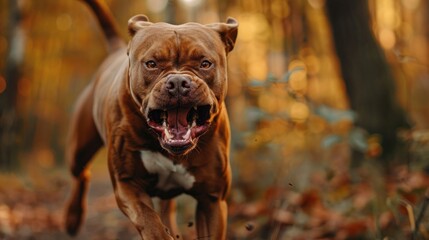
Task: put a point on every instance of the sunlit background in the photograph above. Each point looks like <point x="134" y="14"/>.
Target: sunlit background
<point x="302" y="162"/>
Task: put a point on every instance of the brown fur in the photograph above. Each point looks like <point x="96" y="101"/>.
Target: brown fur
<point x="114" y="111"/>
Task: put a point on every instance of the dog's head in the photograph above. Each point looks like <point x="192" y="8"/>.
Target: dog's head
<point x="178" y="75"/>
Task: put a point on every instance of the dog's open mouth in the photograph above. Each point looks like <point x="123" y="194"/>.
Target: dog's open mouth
<point x="179" y="128"/>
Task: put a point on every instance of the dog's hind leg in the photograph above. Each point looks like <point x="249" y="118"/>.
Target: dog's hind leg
<point x="84" y="141"/>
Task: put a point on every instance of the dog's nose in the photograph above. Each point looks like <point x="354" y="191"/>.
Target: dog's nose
<point x="178" y="85"/>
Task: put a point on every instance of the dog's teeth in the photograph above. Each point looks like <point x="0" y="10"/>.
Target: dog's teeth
<point x="187" y="135"/>
<point x="194" y="123"/>
<point x="167" y="134"/>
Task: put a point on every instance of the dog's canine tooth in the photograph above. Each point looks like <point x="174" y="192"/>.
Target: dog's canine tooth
<point x="187" y="135"/>
<point x="167" y="134"/>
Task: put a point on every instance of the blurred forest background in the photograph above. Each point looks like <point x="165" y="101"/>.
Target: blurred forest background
<point x="328" y="102"/>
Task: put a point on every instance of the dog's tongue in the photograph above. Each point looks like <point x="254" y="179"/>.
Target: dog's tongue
<point x="177" y="122"/>
<point x="177" y="118"/>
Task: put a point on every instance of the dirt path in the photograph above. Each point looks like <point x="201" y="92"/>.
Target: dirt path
<point x="31" y="207"/>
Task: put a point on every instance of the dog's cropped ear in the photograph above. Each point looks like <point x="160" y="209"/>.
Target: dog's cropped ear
<point x="137" y="22"/>
<point x="228" y="32"/>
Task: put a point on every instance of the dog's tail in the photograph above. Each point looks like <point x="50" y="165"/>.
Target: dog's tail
<point x="107" y="23"/>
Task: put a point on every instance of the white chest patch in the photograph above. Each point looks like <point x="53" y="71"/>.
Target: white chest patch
<point x="170" y="175"/>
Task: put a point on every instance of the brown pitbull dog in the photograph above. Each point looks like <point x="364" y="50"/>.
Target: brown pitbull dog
<point x="157" y="104"/>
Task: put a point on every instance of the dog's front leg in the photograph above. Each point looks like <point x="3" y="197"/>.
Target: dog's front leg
<point x="138" y="207"/>
<point x="130" y="193"/>
<point x="211" y="218"/>
<point x="168" y="215"/>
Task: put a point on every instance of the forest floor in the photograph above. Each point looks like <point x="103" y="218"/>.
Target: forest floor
<point x="331" y="206"/>
<point x="32" y="207"/>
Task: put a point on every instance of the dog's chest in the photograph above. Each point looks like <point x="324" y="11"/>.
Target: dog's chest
<point x="170" y="175"/>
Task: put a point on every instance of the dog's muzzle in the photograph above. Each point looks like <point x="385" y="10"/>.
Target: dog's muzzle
<point x="179" y="120"/>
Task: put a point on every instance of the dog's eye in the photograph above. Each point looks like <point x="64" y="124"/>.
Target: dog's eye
<point x="150" y="64"/>
<point x="205" y="64"/>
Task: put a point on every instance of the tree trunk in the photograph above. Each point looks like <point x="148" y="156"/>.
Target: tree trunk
<point x="8" y="99"/>
<point x="369" y="82"/>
